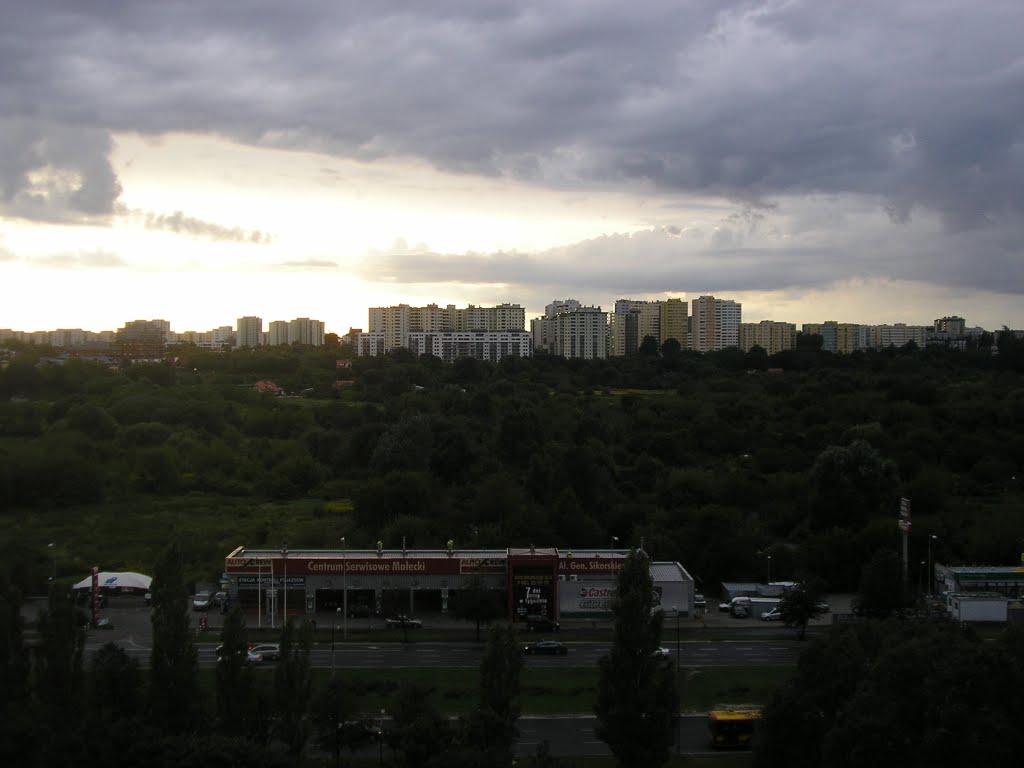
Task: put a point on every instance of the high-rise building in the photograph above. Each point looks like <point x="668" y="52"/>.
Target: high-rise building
<point x="277" y="333"/>
<point x="771" y="336"/>
<point x="482" y="345"/>
<point x="249" y="333"/>
<point x="716" y="324"/>
<point x="302" y="330"/>
<point x="396" y="322"/>
<point x="581" y="333"/>
<point x="634" y="320"/>
<point x="897" y="335"/>
<point x="954" y="326"/>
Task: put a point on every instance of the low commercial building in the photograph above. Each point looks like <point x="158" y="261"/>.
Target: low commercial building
<point x="528" y="581"/>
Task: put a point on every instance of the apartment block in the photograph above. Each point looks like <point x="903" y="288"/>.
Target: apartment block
<point x="303" y="330"/>
<point x="716" y="324"/>
<point x="482" y="345"/>
<point x="771" y="336"/>
<point x="249" y="332"/>
<point x="581" y="333"/>
<point x="396" y="322"/>
<point x="634" y="320"/>
<point x="897" y="335"/>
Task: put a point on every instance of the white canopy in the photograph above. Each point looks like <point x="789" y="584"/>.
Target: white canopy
<point x="127" y="580"/>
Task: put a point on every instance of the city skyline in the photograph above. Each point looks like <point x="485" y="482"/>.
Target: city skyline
<point x="810" y="160"/>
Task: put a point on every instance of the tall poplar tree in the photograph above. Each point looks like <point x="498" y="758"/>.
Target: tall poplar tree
<point x="637" y="694"/>
<point x="174" y="704"/>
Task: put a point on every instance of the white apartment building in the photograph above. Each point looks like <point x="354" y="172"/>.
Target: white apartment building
<point x="897" y="335"/>
<point x="482" y="345"/>
<point x="302" y="330"/>
<point x="277" y="333"/>
<point x="370" y="344"/>
<point x="581" y="333"/>
<point x="715" y="324"/>
<point x="396" y="322"/>
<point x="769" y="335"/>
<point x="542" y="329"/>
<point x="249" y="332"/>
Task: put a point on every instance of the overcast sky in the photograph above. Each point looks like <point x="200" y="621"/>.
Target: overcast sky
<point x="198" y="161"/>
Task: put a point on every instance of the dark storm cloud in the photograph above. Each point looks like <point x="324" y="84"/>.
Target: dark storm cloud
<point x="917" y="103"/>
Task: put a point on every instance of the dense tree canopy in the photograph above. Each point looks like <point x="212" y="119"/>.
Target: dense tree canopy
<point x="710" y="458"/>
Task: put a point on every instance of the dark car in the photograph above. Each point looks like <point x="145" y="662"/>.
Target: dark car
<point x="547" y="647"/>
<point x="541" y="624"/>
<point x="403" y="622"/>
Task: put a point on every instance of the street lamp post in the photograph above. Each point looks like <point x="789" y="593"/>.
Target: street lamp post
<point x="334" y="626"/>
<point x="615" y="540"/>
<point x="678" y="719"/>
<point x="380" y="738"/>
<point x="769" y="569"/>
<point x="53" y="555"/>
<point x="931" y="537"/>
<point x="344" y="586"/>
<point x="284" y="553"/>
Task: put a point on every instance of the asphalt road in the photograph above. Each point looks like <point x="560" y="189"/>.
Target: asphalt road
<point x="750" y="644"/>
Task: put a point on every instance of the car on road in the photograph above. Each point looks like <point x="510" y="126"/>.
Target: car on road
<point x="541" y="624"/>
<point x="250" y="657"/>
<point x="202" y="601"/>
<point x="661" y="654"/>
<point x="773" y="615"/>
<point x="699" y="602"/>
<point x="546" y="647"/>
<point x="266" y="651"/>
<point x="403" y="622"/>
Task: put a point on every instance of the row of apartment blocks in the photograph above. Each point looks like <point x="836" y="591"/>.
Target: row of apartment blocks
<point x="149" y="338"/>
<point x="567" y="328"/>
<point x="570" y="329"/>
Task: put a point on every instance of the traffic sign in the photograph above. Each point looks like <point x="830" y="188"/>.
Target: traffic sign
<point x="905" y="526"/>
<point x="905" y="508"/>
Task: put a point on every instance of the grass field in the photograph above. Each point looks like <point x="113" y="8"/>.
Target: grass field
<point x="543" y="691"/>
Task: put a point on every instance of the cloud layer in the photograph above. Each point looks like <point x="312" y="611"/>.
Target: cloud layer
<point x="915" y="107"/>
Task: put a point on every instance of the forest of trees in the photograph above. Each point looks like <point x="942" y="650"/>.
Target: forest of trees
<point x="716" y="460"/>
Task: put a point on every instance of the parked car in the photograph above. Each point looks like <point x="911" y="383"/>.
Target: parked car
<point x="148" y="598"/>
<point x="740" y="612"/>
<point x="699" y="602"/>
<point x="773" y="615"/>
<point x="549" y="647"/>
<point x="541" y="624"/>
<point x="201" y="602"/>
<point x="266" y="651"/>
<point x="220" y="599"/>
<point x="403" y="622"/>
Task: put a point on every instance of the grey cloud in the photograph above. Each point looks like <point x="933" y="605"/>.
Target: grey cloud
<point x="181" y="224"/>
<point x="55" y="173"/>
<point x="915" y="102"/>
<point x="816" y="247"/>
<point x="913" y="107"/>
